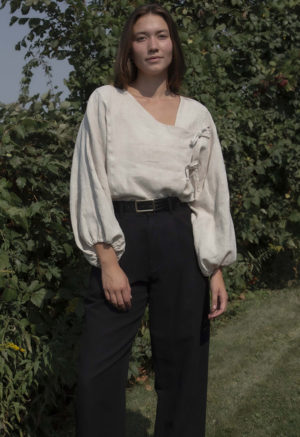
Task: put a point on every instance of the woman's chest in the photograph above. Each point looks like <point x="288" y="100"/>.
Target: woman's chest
<point x="135" y="138"/>
<point x="162" y="110"/>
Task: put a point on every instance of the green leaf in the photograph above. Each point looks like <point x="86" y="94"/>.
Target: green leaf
<point x="13" y="20"/>
<point x="35" y="208"/>
<point x="17" y="410"/>
<point x="4" y="262"/>
<point x="38" y="297"/>
<point x="22" y="20"/>
<point x="68" y="249"/>
<point x="21" y="182"/>
<point x="295" y="217"/>
<point x="9" y="294"/>
<point x="35" y="285"/>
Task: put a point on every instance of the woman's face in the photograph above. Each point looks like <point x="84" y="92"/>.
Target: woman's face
<point x="152" y="46"/>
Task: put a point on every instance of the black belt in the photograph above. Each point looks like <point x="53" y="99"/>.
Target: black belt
<point x="153" y="205"/>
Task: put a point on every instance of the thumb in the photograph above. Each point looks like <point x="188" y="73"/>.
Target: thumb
<point x="214" y="301"/>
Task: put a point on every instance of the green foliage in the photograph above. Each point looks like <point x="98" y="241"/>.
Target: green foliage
<point x="141" y="351"/>
<point x="40" y="281"/>
<point x="243" y="63"/>
<point x="84" y="33"/>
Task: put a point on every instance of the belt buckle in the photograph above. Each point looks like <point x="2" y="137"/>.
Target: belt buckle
<point x="144" y="210"/>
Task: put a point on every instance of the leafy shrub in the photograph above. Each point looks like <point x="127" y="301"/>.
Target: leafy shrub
<point x="40" y="271"/>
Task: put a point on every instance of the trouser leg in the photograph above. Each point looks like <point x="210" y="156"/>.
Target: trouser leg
<point x="179" y="305"/>
<point x="159" y="248"/>
<point x="103" y="362"/>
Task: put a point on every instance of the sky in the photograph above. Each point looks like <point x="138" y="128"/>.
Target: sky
<point x="12" y="62"/>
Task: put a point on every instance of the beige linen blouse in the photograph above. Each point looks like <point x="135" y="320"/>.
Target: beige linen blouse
<point x="123" y="153"/>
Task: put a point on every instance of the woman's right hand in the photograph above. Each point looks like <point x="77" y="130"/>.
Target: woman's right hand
<point x="116" y="286"/>
<point x="115" y="283"/>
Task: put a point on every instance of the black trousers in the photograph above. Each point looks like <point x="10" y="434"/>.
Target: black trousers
<point x="161" y="265"/>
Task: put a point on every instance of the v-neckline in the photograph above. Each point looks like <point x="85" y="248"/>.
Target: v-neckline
<point x="151" y="116"/>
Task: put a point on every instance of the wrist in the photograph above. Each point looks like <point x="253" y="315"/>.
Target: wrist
<point x="216" y="272"/>
<point x="106" y="255"/>
<point x="106" y="264"/>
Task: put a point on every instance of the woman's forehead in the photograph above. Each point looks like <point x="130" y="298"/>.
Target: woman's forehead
<point x="150" y="23"/>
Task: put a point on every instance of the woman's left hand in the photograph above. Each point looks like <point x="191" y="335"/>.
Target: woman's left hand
<point x="219" y="296"/>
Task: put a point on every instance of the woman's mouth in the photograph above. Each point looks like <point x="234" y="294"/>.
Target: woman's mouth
<point x="153" y="59"/>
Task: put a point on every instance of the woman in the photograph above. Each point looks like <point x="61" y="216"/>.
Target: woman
<point x="150" y="211"/>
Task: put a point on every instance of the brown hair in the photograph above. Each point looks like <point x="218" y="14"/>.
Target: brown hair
<point x="125" y="69"/>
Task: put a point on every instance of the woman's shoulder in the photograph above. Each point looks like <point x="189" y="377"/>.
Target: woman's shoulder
<point x="103" y="91"/>
<point x="196" y="109"/>
<point x="195" y="104"/>
<point x="106" y="94"/>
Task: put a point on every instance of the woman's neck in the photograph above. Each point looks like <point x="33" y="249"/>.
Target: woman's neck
<point x="154" y="87"/>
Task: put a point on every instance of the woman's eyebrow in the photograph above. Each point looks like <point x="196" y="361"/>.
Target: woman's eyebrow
<point x="144" y="32"/>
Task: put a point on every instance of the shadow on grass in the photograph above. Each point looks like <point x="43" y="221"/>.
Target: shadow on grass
<point x="137" y="424"/>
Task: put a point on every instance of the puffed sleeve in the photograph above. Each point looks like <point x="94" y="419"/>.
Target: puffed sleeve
<point x="92" y="214"/>
<point x="212" y="224"/>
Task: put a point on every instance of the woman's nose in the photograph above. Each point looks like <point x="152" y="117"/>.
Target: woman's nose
<point x="152" y="43"/>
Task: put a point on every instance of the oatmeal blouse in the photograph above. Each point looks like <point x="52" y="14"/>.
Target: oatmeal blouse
<point x="123" y="153"/>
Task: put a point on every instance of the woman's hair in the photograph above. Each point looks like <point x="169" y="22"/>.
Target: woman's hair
<point x="125" y="69"/>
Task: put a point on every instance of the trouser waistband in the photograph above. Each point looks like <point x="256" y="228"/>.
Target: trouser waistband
<point x="147" y="205"/>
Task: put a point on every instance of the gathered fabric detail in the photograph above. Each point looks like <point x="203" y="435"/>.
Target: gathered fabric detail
<point x="194" y="171"/>
<point x="190" y="168"/>
<point x="205" y="133"/>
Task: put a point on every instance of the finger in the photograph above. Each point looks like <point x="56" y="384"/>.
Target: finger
<point x="107" y="295"/>
<point x="223" y="304"/>
<point x="215" y="314"/>
<point x="120" y="300"/>
<point x="113" y="298"/>
<point x="214" y="302"/>
<point x="126" y="294"/>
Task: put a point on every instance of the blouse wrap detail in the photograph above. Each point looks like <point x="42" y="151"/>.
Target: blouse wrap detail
<point x="123" y="153"/>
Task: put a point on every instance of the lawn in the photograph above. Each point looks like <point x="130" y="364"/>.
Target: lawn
<point x="254" y="386"/>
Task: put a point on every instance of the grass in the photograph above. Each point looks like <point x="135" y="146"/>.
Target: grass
<point x="253" y="386"/>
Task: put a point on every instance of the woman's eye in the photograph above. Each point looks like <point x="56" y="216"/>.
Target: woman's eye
<point x="140" y="38"/>
<point x="162" y="36"/>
